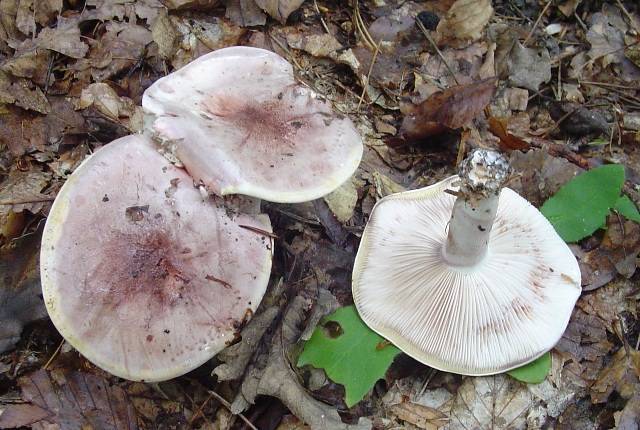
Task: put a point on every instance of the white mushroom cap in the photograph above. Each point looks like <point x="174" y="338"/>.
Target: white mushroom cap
<point x="501" y="313"/>
<point x="142" y="276"/>
<point x="239" y="123"/>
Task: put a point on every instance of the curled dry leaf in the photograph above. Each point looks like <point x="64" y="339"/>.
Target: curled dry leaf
<point x="508" y="141"/>
<point x="279" y="9"/>
<point x="448" y="109"/>
<point x="464" y="22"/>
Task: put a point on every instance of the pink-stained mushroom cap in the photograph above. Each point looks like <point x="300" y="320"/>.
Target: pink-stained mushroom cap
<point x="142" y="276"/>
<point x="487" y="317"/>
<point x="239" y="123"/>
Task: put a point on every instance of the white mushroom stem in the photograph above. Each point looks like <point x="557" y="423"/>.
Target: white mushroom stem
<point x="482" y="176"/>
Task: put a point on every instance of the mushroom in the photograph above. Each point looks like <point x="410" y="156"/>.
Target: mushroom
<point x="492" y="293"/>
<point x="139" y="274"/>
<point x="240" y="124"/>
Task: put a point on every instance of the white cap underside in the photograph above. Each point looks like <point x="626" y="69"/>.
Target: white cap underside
<point x="503" y="313"/>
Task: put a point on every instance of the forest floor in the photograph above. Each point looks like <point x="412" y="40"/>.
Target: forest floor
<point x="72" y="74"/>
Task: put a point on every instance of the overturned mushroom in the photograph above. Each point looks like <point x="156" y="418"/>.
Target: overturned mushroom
<point x="493" y="293"/>
<point x="240" y="124"/>
<point x="142" y="276"/>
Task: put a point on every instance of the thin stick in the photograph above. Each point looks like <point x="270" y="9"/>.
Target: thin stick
<point x="55" y="354"/>
<point x="433" y="44"/>
<point x="366" y="82"/>
<point x="259" y="231"/>
<point x="632" y="21"/>
<point x="26" y="201"/>
<point x="535" y="24"/>
<point x="360" y="25"/>
<point x="324" y="24"/>
<point x="228" y="406"/>
<point x="606" y="84"/>
<point x="198" y="412"/>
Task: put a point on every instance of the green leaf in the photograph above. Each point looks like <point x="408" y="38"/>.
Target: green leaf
<point x="349" y="352"/>
<point x="534" y="372"/>
<point x="580" y="207"/>
<point x="625" y="207"/>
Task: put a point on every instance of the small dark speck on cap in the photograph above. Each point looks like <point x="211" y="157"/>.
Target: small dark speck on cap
<point x="105" y="198"/>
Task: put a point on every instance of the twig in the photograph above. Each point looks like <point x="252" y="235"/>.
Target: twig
<point x="632" y="21"/>
<point x="200" y="409"/>
<point x="55" y="354"/>
<point x="607" y="84"/>
<point x="227" y="405"/>
<point x="26" y="201"/>
<point x="433" y="44"/>
<point x="259" y="231"/>
<point x="535" y="24"/>
<point x="360" y="25"/>
<point x="365" y="84"/>
<point x="581" y="22"/>
<point x="324" y="24"/>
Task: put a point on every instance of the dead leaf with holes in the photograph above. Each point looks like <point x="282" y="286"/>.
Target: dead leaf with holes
<point x="69" y="400"/>
<point x="464" y="22"/>
<point x="448" y="109"/>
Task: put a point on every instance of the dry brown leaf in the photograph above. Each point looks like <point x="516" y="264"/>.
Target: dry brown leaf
<point x="72" y="400"/>
<point x="464" y="22"/>
<point x="629" y="417"/>
<point x="24" y="94"/>
<point x="25" y="20"/>
<point x="64" y="38"/>
<point x="165" y="36"/>
<point x="448" y="109"/>
<point x="606" y="39"/>
<point x="616" y="254"/>
<point x="120" y="48"/>
<point x="620" y="375"/>
<point x="245" y="13"/>
<point x="508" y="141"/>
<point x="569" y="7"/>
<point x="190" y="4"/>
<point x="116" y="108"/>
<point x="279" y="9"/>
<point x="20" y="301"/>
<point x="318" y="45"/>
<point x="342" y="201"/>
<point x="420" y="416"/>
